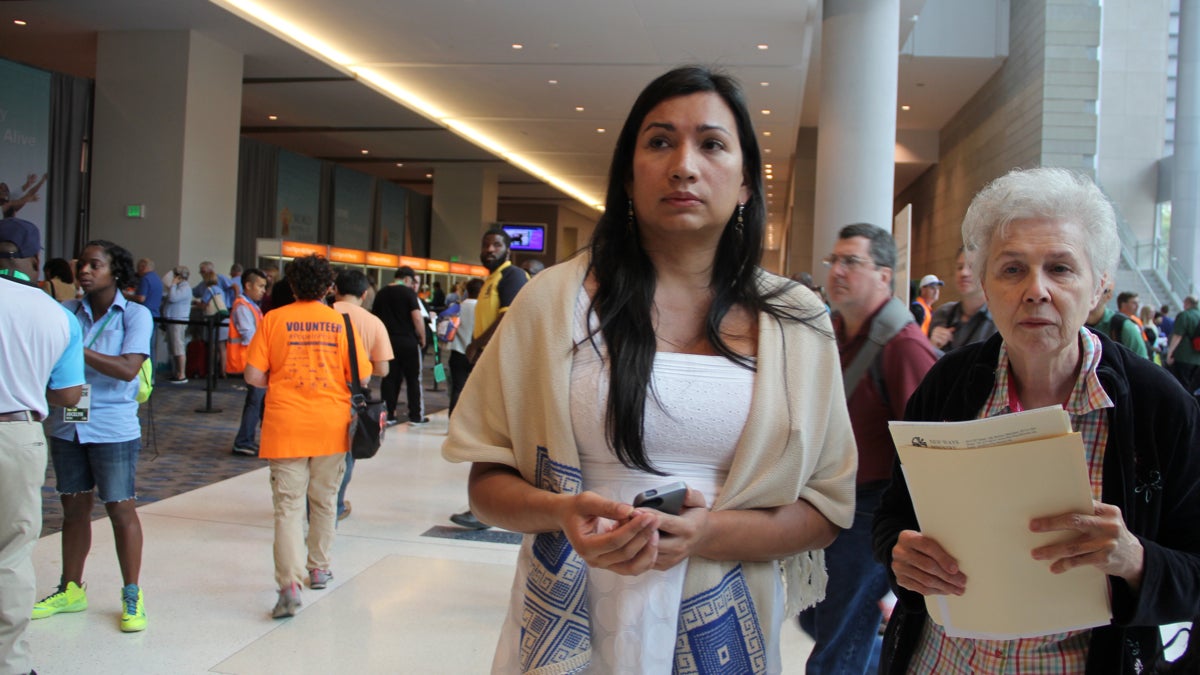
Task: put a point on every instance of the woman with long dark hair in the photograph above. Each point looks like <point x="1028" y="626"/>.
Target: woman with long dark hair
<point x="664" y="354"/>
<point x="59" y="281"/>
<point x="95" y="446"/>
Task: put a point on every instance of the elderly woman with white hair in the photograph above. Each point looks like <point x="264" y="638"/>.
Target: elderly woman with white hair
<point x="1043" y="242"/>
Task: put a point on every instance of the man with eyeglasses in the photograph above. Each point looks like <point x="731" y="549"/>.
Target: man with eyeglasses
<point x="884" y="357"/>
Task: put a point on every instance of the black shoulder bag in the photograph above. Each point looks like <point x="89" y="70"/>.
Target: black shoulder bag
<point x="370" y="417"/>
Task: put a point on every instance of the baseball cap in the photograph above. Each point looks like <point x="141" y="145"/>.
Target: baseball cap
<point x="23" y="234"/>
<point x="931" y="279"/>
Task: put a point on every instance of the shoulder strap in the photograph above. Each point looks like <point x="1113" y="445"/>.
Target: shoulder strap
<point x="887" y="323"/>
<point x="1115" y="325"/>
<point x="100" y="330"/>
<point x="355" y="381"/>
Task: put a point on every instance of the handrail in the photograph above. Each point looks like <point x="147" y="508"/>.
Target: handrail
<point x="1172" y="279"/>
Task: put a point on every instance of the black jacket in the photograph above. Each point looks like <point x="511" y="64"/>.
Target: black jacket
<point x="1151" y="472"/>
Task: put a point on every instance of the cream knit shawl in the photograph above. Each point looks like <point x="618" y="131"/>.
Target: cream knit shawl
<point x="797" y="444"/>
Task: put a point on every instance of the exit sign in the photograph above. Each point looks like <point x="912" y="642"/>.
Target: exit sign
<point x="135" y="211"/>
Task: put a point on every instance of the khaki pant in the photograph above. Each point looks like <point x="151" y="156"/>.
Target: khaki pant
<point x="318" y="479"/>
<point x="22" y="472"/>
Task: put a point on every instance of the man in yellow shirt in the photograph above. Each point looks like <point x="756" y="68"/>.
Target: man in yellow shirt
<point x="498" y="292"/>
<point x="499" y="289"/>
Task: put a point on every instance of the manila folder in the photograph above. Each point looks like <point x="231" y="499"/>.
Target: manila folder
<point x="977" y="503"/>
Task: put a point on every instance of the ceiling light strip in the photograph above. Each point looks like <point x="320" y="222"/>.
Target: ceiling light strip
<point x="275" y="24"/>
<point x="259" y="15"/>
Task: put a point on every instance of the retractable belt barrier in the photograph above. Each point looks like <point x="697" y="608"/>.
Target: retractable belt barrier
<point x="211" y="324"/>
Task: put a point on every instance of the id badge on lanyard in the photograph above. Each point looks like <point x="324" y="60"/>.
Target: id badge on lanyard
<point x="79" y="413"/>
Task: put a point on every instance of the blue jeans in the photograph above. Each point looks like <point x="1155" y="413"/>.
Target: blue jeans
<point x="341" y="503"/>
<point x="247" y="435"/>
<point x="845" y="625"/>
<point x="108" y="467"/>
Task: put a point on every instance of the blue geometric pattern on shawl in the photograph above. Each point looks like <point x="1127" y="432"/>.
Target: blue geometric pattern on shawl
<point x="719" y="633"/>
<point x="554" y="621"/>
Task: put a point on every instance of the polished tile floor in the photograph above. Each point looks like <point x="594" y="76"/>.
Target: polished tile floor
<point x="400" y="602"/>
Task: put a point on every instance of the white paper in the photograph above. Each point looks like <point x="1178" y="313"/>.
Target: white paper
<point x="978" y="502"/>
<point x="1027" y="425"/>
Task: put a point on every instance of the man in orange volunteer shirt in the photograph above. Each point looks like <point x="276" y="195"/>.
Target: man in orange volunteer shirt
<point x="300" y="355"/>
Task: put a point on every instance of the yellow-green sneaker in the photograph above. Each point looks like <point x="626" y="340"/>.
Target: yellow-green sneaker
<point x="133" y="613"/>
<point x="69" y="597"/>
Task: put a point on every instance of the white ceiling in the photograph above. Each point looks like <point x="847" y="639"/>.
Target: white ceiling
<point x="458" y="55"/>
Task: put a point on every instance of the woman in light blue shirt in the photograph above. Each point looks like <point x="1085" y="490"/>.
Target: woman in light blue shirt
<point x="95" y="446"/>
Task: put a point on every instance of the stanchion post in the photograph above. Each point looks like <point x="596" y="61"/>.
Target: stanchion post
<point x="210" y="379"/>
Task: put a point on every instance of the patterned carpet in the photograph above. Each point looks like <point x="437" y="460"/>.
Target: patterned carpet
<point x="184" y="448"/>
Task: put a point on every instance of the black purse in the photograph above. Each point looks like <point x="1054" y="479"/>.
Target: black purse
<point x="370" y="417"/>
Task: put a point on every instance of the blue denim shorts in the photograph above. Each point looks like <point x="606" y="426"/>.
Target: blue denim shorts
<point x="108" y="467"/>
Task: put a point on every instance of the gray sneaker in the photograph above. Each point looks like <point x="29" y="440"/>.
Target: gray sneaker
<point x="318" y="578"/>
<point x="289" y="602"/>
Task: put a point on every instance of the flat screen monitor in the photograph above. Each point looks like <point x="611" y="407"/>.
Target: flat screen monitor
<point x="526" y="237"/>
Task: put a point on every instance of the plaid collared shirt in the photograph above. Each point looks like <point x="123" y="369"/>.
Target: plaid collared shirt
<point x="1048" y="654"/>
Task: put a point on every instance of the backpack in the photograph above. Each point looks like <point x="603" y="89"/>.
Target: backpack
<point x="447" y="324"/>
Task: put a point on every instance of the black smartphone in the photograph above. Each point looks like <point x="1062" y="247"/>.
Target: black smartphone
<point x="667" y="498"/>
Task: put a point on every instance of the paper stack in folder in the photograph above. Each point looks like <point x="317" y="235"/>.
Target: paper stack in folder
<point x="975" y="487"/>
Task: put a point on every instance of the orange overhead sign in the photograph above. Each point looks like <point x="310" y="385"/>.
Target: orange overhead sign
<point x="299" y="249"/>
<point x="383" y="259"/>
<point x="460" y="268"/>
<point x="347" y="255"/>
<point x="415" y="263"/>
<point x="437" y="266"/>
<point x="479" y="271"/>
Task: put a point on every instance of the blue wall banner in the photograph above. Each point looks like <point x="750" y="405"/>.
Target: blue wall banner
<point x="393" y="212"/>
<point x="351" y="208"/>
<point x="24" y="142"/>
<point x="298" y="197"/>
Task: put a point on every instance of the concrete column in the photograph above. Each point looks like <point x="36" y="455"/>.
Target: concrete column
<point x="856" y="137"/>
<point x="1185" y="197"/>
<point x="464" y="201"/>
<point x="166" y="129"/>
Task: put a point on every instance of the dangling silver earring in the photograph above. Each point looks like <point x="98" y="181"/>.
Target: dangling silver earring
<point x="740" y="225"/>
<point x="629" y="220"/>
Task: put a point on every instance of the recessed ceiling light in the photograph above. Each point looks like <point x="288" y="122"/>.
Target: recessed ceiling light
<point x="764" y="47"/>
<point x="20" y="22"/>
<point x="768" y="151"/>
<point x="766" y="133"/>
<point x="770" y="177"/>
<point x="429" y="175"/>
<point x="906" y="107"/>
<point x="770" y="194"/>
<point x="766" y="111"/>
<point x="272" y="117"/>
<point x="764" y="84"/>
<point x="552" y="81"/>
<point x="578" y="108"/>
<point x="600" y="130"/>
<point x="399" y="164"/>
<point x="365" y="151"/>
<point x="517" y="45"/>
<point x="770" y="166"/>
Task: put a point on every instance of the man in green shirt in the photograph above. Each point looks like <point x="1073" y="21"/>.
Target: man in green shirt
<point x="1183" y="358"/>
<point x="1116" y="325"/>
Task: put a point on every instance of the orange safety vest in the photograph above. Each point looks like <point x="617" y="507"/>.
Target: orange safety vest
<point x="924" y="324"/>
<point x="235" y="351"/>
